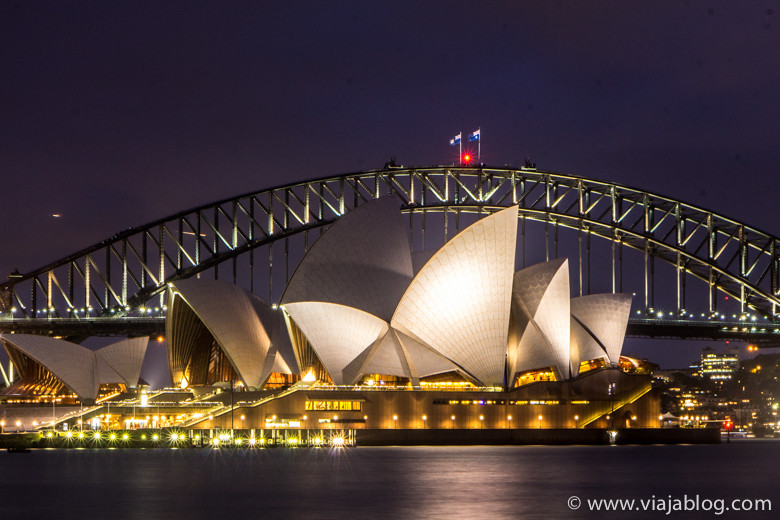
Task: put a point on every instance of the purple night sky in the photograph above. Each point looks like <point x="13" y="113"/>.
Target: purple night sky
<point x="115" y="114"/>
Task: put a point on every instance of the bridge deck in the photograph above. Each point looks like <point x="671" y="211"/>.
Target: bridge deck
<point x="762" y="334"/>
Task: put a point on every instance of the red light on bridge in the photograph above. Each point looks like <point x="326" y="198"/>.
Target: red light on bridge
<point x="467" y="157"/>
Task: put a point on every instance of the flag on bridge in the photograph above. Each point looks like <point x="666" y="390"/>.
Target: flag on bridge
<point x="455" y="140"/>
<point x="474" y="136"/>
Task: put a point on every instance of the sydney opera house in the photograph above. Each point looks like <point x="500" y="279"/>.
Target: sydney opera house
<point x="370" y="334"/>
<point x="48" y="366"/>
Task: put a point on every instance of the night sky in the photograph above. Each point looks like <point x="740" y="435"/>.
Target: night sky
<point x="114" y="114"/>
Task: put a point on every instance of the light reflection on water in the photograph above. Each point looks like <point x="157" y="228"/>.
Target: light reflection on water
<point x="413" y="482"/>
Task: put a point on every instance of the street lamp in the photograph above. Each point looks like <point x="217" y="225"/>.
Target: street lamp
<point x="576" y="418"/>
<point x="424" y="417"/>
<point x="395" y="422"/>
<point x="540" y="422"/>
<point x="453" y="421"/>
<point x="509" y="419"/>
<point x="481" y="418"/>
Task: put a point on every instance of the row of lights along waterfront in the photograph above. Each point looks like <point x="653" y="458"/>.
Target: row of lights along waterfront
<point x="424" y="419"/>
<point x="177" y="439"/>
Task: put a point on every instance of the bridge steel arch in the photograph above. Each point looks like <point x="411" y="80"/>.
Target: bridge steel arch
<point x="126" y="275"/>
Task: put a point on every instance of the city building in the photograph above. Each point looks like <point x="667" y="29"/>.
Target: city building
<point x="718" y="367"/>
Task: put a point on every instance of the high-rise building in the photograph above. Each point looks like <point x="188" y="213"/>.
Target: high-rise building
<point x="719" y="367"/>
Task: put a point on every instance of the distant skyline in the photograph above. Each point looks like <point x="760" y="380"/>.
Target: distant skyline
<point x="118" y="114"/>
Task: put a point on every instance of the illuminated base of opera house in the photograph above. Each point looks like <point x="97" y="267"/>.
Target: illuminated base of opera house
<point x="599" y="398"/>
<point x="582" y="403"/>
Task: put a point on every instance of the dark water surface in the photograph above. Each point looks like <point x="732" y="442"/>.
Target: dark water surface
<point x="395" y="482"/>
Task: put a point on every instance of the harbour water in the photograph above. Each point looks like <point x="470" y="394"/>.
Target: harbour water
<point x="492" y="482"/>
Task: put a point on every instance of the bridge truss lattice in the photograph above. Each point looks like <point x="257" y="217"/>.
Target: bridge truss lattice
<point x="256" y="239"/>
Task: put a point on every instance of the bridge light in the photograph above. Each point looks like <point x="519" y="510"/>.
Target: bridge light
<point x="467" y="157"/>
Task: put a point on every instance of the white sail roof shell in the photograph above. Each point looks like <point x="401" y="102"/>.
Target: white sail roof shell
<point x="398" y="355"/>
<point x="605" y="317"/>
<point x="420" y="258"/>
<point x="229" y="313"/>
<point x="423" y="360"/>
<point x="584" y="347"/>
<point x="384" y="356"/>
<point x="74" y="365"/>
<point x="362" y="261"/>
<point x="273" y="321"/>
<point x="125" y="358"/>
<point x="337" y="333"/>
<point x="106" y="373"/>
<point x="458" y="303"/>
<point x="541" y="308"/>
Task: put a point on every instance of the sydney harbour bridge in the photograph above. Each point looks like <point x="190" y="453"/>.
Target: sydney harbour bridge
<point x="694" y="274"/>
